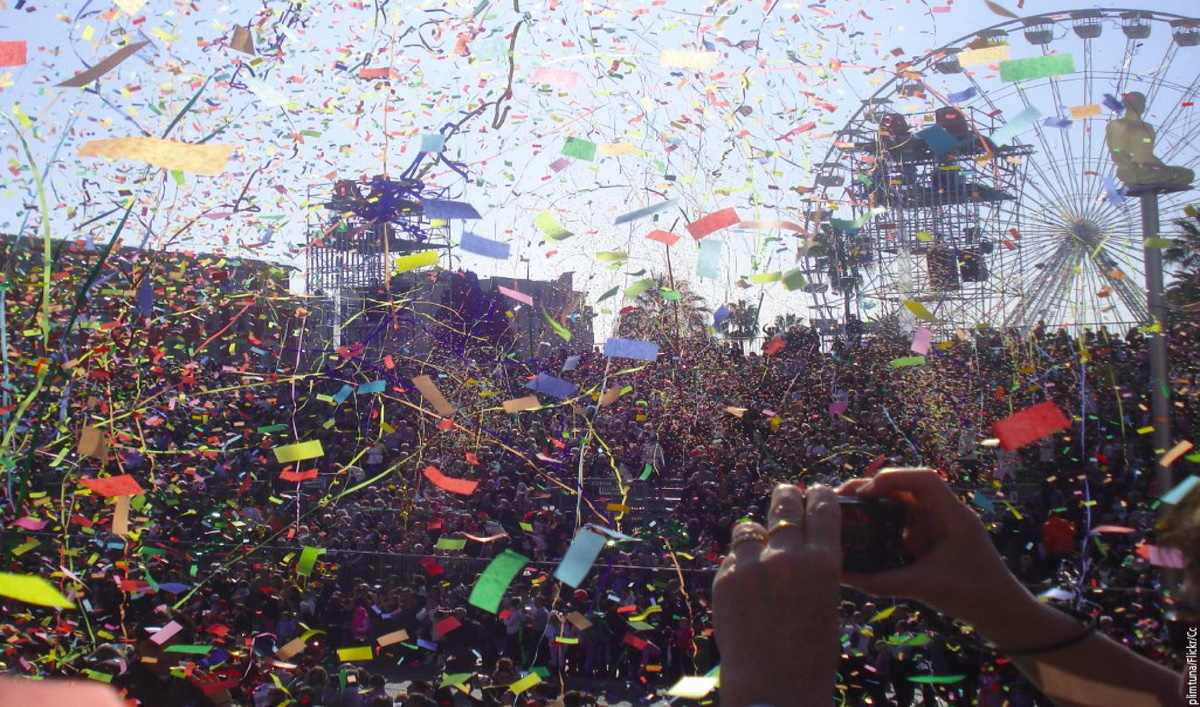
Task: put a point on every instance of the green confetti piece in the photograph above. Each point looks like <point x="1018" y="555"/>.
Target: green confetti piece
<point x="1037" y="67"/>
<point x="493" y="583"/>
<point x="794" y="280"/>
<point x="308" y="559"/>
<point x="639" y="287"/>
<point x="550" y="227"/>
<point x="579" y="149"/>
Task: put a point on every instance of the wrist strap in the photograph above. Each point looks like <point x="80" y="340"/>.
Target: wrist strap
<point x="1076" y="639"/>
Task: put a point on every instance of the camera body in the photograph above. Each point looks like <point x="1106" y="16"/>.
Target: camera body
<point x="873" y="534"/>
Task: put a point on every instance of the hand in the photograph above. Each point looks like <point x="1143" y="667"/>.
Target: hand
<point x="775" y="603"/>
<point x="957" y="569"/>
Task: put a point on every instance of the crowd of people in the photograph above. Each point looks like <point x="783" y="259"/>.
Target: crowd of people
<point x="332" y="579"/>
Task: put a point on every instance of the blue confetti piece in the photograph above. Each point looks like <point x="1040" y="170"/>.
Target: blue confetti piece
<point x="1113" y="103"/>
<point x="1115" y="196"/>
<point x="720" y="315"/>
<point x="1056" y="122"/>
<point x="938" y="138"/>
<point x="961" y="96"/>
<point x="644" y="212"/>
<point x="343" y="394"/>
<point x="486" y="247"/>
<point x="1176" y="494"/>
<point x="554" y="387"/>
<point x="631" y="348"/>
<point x="433" y="142"/>
<point x="373" y="387"/>
<point x="580" y="557"/>
<point x="440" y="208"/>
<point x="708" y="264"/>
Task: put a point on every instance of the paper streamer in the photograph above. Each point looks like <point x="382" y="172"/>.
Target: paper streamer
<point x="103" y="66"/>
<point x="120" y="523"/>
<point x="979" y="57"/>
<point x="349" y="655"/>
<point x="493" y="583"/>
<point x="579" y="149"/>
<point x="557" y="78"/>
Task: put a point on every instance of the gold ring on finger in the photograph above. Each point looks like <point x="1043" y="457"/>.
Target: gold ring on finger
<point x="782" y="524"/>
<point x="746" y="537"/>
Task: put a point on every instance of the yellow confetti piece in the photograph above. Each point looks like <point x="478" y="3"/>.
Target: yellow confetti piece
<point x="919" y="311"/>
<point x="424" y="259"/>
<point x="32" y="589"/>
<point x="765" y="277"/>
<point x="196" y="159"/>
<point x="1175" y="452"/>
<point x="130" y="6"/>
<point x="689" y="60"/>
<point x="525" y="683"/>
<point x="1088" y="111"/>
<point x="693" y="687"/>
<point x="347" y="655"/>
<point x="296" y="452"/>
<point x="979" y="57"/>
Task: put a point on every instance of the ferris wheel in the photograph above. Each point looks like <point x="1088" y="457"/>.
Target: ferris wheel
<point x="975" y="187"/>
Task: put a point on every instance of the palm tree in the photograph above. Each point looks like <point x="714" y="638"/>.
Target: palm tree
<point x="1184" y="254"/>
<point x="674" y="318"/>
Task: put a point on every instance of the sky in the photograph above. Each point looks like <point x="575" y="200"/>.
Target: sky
<point x="723" y="105"/>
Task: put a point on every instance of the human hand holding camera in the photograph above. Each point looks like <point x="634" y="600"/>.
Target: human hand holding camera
<point x="956" y="569"/>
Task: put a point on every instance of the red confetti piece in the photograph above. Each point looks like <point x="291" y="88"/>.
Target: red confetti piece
<point x="1030" y="425"/>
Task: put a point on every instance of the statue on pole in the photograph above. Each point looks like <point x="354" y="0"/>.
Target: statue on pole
<point x="1131" y="143"/>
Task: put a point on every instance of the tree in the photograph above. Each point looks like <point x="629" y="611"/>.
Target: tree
<point x="1184" y="254"/>
<point x="676" y="319"/>
<point x="742" y="322"/>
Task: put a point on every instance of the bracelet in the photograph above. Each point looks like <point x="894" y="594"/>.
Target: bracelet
<point x="1078" y="638"/>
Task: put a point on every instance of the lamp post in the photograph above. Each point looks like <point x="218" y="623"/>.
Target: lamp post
<point x="1131" y="145"/>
